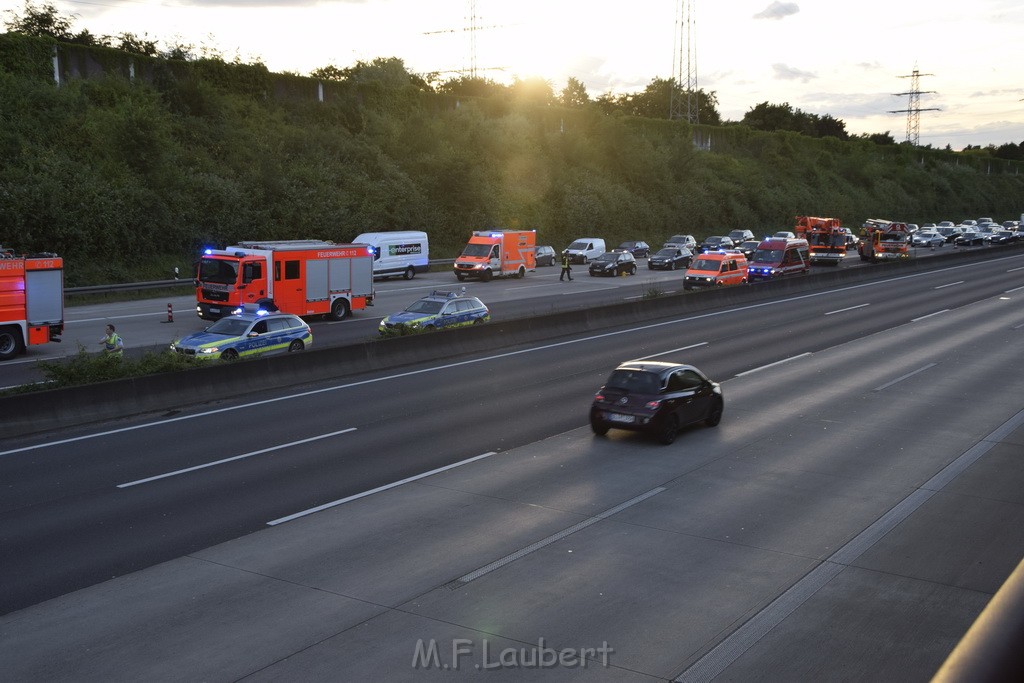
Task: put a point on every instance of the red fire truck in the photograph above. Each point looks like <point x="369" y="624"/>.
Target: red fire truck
<point x="31" y="301"/>
<point x="303" y="277"/>
<point x="825" y="237"/>
<point x="881" y="239"/>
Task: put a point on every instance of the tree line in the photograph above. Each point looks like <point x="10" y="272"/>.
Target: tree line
<point x="654" y="101"/>
<point x="127" y="179"/>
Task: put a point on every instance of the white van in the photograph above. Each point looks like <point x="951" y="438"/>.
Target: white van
<point x="585" y="249"/>
<point x="403" y="252"/>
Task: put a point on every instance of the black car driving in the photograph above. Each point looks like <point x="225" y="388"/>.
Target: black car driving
<point x="638" y="248"/>
<point x="714" y="243"/>
<point x="657" y="398"/>
<point x="613" y="262"/>
<point x="970" y="239"/>
<point x="670" y="258"/>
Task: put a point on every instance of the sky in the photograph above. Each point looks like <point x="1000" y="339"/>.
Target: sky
<point x="846" y="60"/>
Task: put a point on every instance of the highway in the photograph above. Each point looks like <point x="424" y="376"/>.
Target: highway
<point x="144" y="326"/>
<point x="241" y="532"/>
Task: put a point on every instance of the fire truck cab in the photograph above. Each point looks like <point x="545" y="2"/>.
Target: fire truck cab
<point x="826" y="238"/>
<point x="302" y="277"/>
<point x="31" y="301"/>
<point x="497" y="253"/>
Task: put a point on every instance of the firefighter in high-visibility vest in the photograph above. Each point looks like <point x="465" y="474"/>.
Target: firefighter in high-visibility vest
<point x="112" y="343"/>
<point x="566" y="268"/>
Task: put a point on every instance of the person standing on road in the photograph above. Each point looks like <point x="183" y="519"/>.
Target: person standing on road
<point x="112" y="343"/>
<point x="566" y="268"/>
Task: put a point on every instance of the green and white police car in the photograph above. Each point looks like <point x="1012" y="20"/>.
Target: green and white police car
<point x="440" y="310"/>
<point x="247" y="334"/>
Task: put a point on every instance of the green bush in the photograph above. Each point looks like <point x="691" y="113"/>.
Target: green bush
<point x="89" y="368"/>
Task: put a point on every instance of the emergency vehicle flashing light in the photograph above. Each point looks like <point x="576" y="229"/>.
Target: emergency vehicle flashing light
<point x="249" y="308"/>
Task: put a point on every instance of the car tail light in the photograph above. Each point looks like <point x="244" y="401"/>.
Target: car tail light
<point x="599" y="397"/>
<point x="652" y="405"/>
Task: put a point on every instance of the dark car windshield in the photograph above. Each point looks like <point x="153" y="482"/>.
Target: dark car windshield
<point x="608" y="256"/>
<point x="475" y="249"/>
<point x="635" y="381"/>
<point x="218" y="270"/>
<point x="767" y="256"/>
<point x="425" y="307"/>
<point x="667" y="252"/>
<point x="229" y="327"/>
<point x="820" y="239"/>
<point x="705" y="264"/>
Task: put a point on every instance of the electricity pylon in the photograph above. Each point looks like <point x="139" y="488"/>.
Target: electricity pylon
<point x="683" y="100"/>
<point x="913" y="110"/>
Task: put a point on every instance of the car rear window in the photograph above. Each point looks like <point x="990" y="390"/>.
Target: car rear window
<point x="636" y="381"/>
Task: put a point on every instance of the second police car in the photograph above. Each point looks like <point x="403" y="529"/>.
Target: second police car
<point x="246" y="334"/>
<point x="440" y="310"/>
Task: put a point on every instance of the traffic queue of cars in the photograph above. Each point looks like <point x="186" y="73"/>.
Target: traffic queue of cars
<point x="720" y="260"/>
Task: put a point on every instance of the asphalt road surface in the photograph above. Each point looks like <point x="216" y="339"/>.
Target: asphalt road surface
<point x="851" y="515"/>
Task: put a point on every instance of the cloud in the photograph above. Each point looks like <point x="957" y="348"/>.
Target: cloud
<point x="788" y="73"/>
<point x="778" y="10"/>
<point x="242" y="4"/>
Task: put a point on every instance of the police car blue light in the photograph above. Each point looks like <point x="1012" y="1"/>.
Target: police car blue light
<point x="246" y="335"/>
<point x="440" y="310"/>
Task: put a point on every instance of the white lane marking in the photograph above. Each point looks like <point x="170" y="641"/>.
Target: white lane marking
<point x="1013" y="270"/>
<point x="592" y="289"/>
<point x="771" y="365"/>
<point x="325" y="506"/>
<point x="844" y="310"/>
<point x="1011" y="291"/>
<point x="446" y="366"/>
<point x="925" y="317"/>
<point x="233" y="458"/>
<point x="746" y="636"/>
<point x="523" y="552"/>
<point x="681" y="348"/>
<point x="544" y="284"/>
<point x="958" y="282"/>
<point x="903" y="377"/>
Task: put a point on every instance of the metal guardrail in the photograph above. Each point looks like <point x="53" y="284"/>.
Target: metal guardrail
<point x="128" y="287"/>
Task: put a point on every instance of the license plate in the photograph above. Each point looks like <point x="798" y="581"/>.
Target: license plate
<point x="615" y="417"/>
